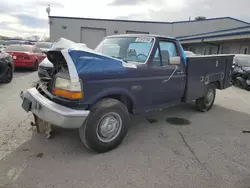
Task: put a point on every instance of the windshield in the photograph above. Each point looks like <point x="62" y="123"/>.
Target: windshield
<point x="18" y="48"/>
<point x="43" y="45"/>
<point x="136" y="49"/>
<point x="244" y="61"/>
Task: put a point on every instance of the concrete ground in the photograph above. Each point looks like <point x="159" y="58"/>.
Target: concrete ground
<point x="210" y="151"/>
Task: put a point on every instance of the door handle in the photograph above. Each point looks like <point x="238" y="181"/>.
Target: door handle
<point x="180" y="72"/>
<point x="164" y="68"/>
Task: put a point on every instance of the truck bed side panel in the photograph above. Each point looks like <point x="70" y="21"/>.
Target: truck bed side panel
<point x="228" y="77"/>
<point x="203" y="70"/>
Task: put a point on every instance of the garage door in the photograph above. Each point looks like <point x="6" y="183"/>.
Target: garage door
<point x="136" y="32"/>
<point x="92" y="36"/>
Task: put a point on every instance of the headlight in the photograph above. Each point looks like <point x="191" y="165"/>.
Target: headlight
<point x="65" y="88"/>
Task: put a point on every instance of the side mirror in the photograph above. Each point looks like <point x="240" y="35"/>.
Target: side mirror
<point x="175" y="60"/>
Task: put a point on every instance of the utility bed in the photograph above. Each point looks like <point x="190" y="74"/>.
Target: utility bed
<point x="202" y="70"/>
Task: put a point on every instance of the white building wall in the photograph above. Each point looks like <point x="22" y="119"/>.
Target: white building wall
<point x="72" y="28"/>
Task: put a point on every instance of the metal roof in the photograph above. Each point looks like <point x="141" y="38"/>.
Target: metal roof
<point x="216" y="35"/>
<point x="160" y="22"/>
<point x="140" y="35"/>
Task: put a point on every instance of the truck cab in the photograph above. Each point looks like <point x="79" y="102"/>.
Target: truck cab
<point x="96" y="90"/>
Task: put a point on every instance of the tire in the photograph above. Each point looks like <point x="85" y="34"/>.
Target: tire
<point x="238" y="83"/>
<point x="98" y="123"/>
<point x="35" y="66"/>
<point x="7" y="78"/>
<point x="205" y="103"/>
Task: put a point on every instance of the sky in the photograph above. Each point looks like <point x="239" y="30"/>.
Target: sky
<point x="29" y="17"/>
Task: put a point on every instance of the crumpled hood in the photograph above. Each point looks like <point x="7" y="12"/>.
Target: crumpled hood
<point x="83" y="60"/>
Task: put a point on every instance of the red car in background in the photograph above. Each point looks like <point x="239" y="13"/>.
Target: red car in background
<point x="24" y="55"/>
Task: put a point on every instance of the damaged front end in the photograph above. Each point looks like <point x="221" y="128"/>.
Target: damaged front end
<point x="60" y="101"/>
<point x="42" y="100"/>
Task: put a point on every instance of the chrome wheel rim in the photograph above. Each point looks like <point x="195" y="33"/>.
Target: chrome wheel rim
<point x="109" y="127"/>
<point x="209" y="97"/>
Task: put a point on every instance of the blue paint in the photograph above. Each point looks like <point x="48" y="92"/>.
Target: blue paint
<point x="183" y="55"/>
<point x="148" y="87"/>
<point x="232" y="29"/>
<point x="88" y="63"/>
<point x="210" y="19"/>
<point x="220" y="35"/>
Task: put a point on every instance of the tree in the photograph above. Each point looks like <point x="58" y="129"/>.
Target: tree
<point x="36" y="37"/>
<point x="46" y="39"/>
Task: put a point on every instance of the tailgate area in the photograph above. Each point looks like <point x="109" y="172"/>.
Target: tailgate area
<point x="202" y="70"/>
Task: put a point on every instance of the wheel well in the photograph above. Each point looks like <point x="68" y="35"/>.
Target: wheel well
<point x="217" y="84"/>
<point x="124" y="99"/>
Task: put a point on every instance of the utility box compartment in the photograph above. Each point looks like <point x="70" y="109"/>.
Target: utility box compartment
<point x="202" y="70"/>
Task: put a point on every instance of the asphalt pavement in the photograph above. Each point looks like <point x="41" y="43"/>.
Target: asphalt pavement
<point x="206" y="150"/>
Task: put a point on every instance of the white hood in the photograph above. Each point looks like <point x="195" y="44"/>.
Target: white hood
<point x="65" y="45"/>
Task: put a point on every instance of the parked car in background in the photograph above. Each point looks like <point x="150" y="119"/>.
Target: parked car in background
<point x="25" y="55"/>
<point x="45" y="68"/>
<point x="2" y="47"/>
<point x="17" y="41"/>
<point x="6" y="67"/>
<point x="44" y="46"/>
<point x="241" y="71"/>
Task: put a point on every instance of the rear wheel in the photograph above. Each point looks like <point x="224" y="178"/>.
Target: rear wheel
<point x="7" y="78"/>
<point x="206" y="103"/>
<point x="106" y="126"/>
<point x="35" y="66"/>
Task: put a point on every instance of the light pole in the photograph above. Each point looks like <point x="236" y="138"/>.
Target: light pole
<point x="48" y="12"/>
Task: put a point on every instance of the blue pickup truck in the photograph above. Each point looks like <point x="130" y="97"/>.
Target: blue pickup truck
<point x="97" y="90"/>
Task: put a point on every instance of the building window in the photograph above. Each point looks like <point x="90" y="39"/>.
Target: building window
<point x="205" y="51"/>
<point x="210" y="50"/>
<point x="224" y="50"/>
<point x="190" y="49"/>
<point x="164" y="52"/>
<point x="245" y="51"/>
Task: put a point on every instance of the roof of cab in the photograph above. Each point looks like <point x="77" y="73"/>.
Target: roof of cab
<point x="140" y="35"/>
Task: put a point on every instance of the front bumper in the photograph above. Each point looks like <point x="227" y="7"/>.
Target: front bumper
<point x="52" y="112"/>
<point x="24" y="63"/>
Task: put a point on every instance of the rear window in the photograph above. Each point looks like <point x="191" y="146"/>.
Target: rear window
<point x="18" y="48"/>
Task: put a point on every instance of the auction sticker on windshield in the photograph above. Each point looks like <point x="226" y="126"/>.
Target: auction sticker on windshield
<point x="143" y="39"/>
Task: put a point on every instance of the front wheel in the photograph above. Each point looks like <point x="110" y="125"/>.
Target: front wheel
<point x="106" y="126"/>
<point x="206" y="103"/>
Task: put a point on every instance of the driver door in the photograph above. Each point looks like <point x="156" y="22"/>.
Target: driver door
<point x="168" y="80"/>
